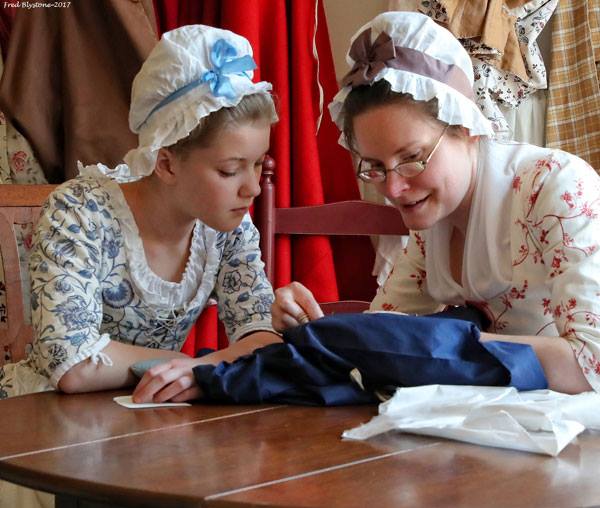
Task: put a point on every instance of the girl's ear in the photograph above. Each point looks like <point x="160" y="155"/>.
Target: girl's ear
<point x="165" y="166"/>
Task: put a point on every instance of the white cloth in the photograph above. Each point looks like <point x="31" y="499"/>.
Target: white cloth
<point x="540" y="421"/>
<point x="527" y="121"/>
<point x="531" y="257"/>
<point x="181" y="56"/>
<point x="388" y="247"/>
<point x="127" y="401"/>
<point x="418" y="32"/>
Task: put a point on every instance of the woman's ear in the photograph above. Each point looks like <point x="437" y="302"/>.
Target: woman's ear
<point x="165" y="167"/>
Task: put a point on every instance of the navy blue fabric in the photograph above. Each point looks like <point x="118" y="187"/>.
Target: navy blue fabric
<point x="466" y="313"/>
<point x="312" y="366"/>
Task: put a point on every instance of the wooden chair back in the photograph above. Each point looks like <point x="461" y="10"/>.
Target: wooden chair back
<point x="20" y="205"/>
<point x="349" y="218"/>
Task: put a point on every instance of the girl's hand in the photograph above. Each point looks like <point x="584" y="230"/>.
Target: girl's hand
<point x="294" y="305"/>
<point x="171" y="381"/>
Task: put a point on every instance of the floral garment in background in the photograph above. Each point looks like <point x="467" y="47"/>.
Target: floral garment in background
<point x="17" y="162"/>
<point x="497" y="85"/>
<point x="18" y="165"/>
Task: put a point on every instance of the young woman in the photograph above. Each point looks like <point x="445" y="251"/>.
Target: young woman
<point x="121" y="271"/>
<point x="508" y="227"/>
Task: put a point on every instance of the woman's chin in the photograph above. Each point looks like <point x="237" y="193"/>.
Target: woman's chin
<point x="418" y="223"/>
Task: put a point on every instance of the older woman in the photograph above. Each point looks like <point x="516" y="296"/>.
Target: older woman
<point x="508" y="227"/>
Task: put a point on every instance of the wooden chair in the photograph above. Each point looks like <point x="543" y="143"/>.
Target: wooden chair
<point x="20" y="205"/>
<point x="350" y="218"/>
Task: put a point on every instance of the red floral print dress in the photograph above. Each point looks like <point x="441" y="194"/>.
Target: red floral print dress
<point x="531" y="258"/>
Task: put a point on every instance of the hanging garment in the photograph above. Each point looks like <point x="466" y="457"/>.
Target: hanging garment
<point x="501" y="38"/>
<point x="499" y="89"/>
<point x="17" y="161"/>
<point x="486" y="26"/>
<point x="67" y="80"/>
<point x="348" y="358"/>
<point x="573" y="115"/>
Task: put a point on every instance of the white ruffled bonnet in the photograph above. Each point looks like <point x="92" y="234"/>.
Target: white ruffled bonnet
<point x="192" y="71"/>
<point x="416" y="56"/>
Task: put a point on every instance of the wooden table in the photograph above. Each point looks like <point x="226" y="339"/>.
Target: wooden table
<point x="92" y="452"/>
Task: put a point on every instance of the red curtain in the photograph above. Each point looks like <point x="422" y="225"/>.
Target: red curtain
<point x="311" y="167"/>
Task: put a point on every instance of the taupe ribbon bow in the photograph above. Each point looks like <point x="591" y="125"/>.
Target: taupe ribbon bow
<point x="369" y="58"/>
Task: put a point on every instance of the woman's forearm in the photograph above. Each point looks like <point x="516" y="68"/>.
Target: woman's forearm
<point x="87" y="376"/>
<point x="556" y="357"/>
<point x="242" y="347"/>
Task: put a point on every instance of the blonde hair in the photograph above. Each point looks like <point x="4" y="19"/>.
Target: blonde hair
<point x="251" y="108"/>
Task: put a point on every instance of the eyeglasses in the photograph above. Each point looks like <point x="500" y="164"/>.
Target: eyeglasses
<point x="373" y="173"/>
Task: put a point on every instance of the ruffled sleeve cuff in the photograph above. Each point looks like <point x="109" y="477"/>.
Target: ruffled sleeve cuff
<point x="92" y="350"/>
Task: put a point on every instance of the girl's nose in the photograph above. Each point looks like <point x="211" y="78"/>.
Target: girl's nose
<point x="251" y="185"/>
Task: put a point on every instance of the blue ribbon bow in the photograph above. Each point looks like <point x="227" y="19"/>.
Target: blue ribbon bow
<point x="223" y="57"/>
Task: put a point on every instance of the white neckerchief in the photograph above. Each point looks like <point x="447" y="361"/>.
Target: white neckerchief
<point x="486" y="267"/>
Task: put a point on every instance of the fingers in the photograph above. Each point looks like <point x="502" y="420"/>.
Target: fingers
<point x="304" y="303"/>
<point x="179" y="385"/>
<point x="302" y="318"/>
<point x="165" y="381"/>
<point x="285" y="321"/>
<point x="294" y="304"/>
<point x="191" y="393"/>
<point x="145" y="389"/>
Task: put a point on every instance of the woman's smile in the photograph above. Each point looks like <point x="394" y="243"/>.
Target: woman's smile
<point x="412" y="204"/>
<point x="443" y="190"/>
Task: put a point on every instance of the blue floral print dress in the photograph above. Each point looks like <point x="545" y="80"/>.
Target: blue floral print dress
<point x="91" y="283"/>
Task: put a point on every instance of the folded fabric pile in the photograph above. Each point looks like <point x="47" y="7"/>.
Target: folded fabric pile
<point x="540" y="421"/>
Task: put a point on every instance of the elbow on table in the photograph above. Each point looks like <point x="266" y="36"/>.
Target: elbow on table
<point x="71" y="382"/>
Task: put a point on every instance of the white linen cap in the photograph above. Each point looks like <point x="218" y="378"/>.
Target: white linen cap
<point x="415" y="56"/>
<point x="192" y="71"/>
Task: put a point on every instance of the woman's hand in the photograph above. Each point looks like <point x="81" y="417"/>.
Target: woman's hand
<point x="171" y="381"/>
<point x="294" y="304"/>
<point x="174" y="380"/>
